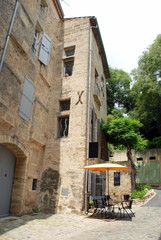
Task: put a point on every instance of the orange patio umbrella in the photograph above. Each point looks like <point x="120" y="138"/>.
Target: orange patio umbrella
<point x="107" y="167"/>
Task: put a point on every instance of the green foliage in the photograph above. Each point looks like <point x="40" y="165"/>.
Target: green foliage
<point x="136" y="193"/>
<point x="118" y="90"/>
<point x="143" y="187"/>
<point x="155" y="143"/>
<point x="146" y="90"/>
<point x="91" y="203"/>
<point x="124" y="132"/>
<point x="140" y="191"/>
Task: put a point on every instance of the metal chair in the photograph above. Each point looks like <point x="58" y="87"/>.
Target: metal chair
<point x="127" y="208"/>
<point x="126" y="197"/>
<point x="99" y="206"/>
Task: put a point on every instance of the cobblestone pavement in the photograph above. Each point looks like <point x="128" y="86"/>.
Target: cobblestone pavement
<point x="144" y="226"/>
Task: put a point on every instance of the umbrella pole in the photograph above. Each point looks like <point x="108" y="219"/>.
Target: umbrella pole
<point x="108" y="187"/>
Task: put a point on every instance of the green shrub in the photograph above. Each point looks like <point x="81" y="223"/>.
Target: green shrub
<point x="142" y="187"/>
<point x="91" y="203"/>
<point x="136" y="193"/>
<point x="140" y="191"/>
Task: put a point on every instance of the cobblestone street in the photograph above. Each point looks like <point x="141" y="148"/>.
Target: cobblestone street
<point x="145" y="225"/>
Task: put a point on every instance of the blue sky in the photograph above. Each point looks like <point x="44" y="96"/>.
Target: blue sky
<point x="127" y="27"/>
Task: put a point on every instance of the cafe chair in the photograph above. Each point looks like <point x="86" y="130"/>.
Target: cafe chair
<point x="127" y="208"/>
<point x="126" y="197"/>
<point x="99" y="206"/>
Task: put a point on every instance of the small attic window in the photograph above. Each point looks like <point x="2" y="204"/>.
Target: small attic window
<point x="65" y="105"/>
<point x="43" y="6"/>
<point x="152" y="158"/>
<point x="70" y="51"/>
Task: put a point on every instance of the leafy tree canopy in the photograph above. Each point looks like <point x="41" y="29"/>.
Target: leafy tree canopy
<point x="118" y="90"/>
<point x="147" y="90"/>
<point x="124" y="131"/>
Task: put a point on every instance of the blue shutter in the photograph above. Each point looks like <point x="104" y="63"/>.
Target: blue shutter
<point x="26" y="100"/>
<point x="44" y="54"/>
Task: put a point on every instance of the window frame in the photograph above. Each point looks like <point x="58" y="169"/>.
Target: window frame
<point x="66" y="131"/>
<point x="117" y="179"/>
<point x="68" y="70"/>
<point x="36" y="43"/>
<point x="61" y="107"/>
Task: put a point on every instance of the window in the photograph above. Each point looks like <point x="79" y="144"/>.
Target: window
<point x="43" y="6"/>
<point x="116" y="178"/>
<point x="26" y="100"/>
<point x="152" y="158"/>
<point x="69" y="60"/>
<point x="63" y="126"/>
<point x="41" y="45"/>
<point x="99" y="186"/>
<point x="44" y="55"/>
<point x="68" y="67"/>
<point x="96" y="75"/>
<point x="139" y="159"/>
<point x="65" y="105"/>
<point x="70" y="51"/>
<point x="34" y="184"/>
<point x="36" y="41"/>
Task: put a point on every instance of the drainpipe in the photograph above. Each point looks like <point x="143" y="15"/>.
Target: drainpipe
<point x="88" y="117"/>
<point x="8" y="35"/>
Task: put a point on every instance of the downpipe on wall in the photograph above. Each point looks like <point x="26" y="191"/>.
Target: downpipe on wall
<point x="8" y="35"/>
<point x="88" y="118"/>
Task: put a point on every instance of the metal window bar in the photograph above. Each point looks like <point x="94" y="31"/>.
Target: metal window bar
<point x="63" y="126"/>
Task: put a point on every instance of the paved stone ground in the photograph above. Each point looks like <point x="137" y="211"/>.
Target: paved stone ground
<point x="144" y="226"/>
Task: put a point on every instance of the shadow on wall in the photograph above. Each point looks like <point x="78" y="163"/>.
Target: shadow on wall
<point x="48" y="190"/>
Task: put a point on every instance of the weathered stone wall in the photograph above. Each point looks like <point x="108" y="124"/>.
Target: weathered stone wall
<point x="146" y="156"/>
<point x="77" y="32"/>
<point x="21" y="62"/>
<point x="55" y="164"/>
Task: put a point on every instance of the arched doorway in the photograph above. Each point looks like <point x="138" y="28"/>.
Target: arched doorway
<point x="13" y="147"/>
<point x="7" y="166"/>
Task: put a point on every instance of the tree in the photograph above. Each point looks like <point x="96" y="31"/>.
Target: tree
<point x="118" y="90"/>
<point x="147" y="90"/>
<point x="124" y="131"/>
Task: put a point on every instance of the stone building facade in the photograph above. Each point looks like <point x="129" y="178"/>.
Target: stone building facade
<point x="52" y="101"/>
<point x="148" y="166"/>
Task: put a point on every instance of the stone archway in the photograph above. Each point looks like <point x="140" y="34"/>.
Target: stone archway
<point x="20" y="153"/>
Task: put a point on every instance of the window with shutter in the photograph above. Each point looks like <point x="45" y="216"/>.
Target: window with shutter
<point x="37" y="39"/>
<point x="26" y="100"/>
<point x="44" y="54"/>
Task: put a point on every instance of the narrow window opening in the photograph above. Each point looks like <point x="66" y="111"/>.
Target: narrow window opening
<point x="43" y="6"/>
<point x="34" y="184"/>
<point x="152" y="158"/>
<point x="63" y="126"/>
<point x="68" y="67"/>
<point x="36" y="40"/>
<point x="116" y="178"/>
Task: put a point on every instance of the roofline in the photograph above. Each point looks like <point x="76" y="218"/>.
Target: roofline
<point x="97" y="34"/>
<point x="58" y="8"/>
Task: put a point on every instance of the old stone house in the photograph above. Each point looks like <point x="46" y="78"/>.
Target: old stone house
<point x="148" y="167"/>
<point x="53" y="75"/>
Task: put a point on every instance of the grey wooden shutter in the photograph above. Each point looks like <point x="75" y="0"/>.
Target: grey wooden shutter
<point x="98" y="130"/>
<point x="26" y="100"/>
<point x="93" y="125"/>
<point x="44" y="54"/>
